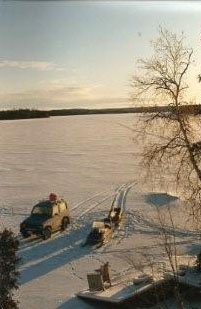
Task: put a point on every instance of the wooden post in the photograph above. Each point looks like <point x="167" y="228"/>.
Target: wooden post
<point x="105" y="273"/>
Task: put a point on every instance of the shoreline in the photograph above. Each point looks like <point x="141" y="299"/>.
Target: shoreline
<point x="33" y="113"/>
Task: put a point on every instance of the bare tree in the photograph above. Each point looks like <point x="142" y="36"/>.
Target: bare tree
<point x="163" y="79"/>
<point x="169" y="242"/>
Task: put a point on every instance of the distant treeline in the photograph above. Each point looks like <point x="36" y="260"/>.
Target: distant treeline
<point x="190" y="109"/>
<point x="23" y="114"/>
<point x="32" y="113"/>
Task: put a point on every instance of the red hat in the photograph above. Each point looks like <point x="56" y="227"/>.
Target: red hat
<point x="52" y="197"/>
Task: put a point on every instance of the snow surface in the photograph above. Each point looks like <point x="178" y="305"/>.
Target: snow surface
<point x="85" y="159"/>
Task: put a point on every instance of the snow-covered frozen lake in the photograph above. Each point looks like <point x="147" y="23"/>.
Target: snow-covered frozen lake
<point x="73" y="156"/>
<point x="83" y="159"/>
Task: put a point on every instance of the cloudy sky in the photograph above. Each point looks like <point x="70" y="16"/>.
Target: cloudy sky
<point x="64" y="54"/>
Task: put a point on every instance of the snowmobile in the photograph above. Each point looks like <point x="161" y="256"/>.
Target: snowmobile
<point x="101" y="233"/>
<point x="116" y="213"/>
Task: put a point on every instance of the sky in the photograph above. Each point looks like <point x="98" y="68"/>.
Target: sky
<point x="72" y="54"/>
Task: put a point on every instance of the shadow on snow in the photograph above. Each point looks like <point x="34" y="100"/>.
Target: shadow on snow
<point x="59" y="251"/>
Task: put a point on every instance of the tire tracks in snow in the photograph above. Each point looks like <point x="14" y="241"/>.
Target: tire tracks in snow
<point x="137" y="223"/>
<point x="34" y="242"/>
<point x="40" y="254"/>
<point x="117" y="193"/>
<point x="120" y="200"/>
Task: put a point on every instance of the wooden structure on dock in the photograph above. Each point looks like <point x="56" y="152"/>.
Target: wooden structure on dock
<point x="144" y="294"/>
<point x="100" y="280"/>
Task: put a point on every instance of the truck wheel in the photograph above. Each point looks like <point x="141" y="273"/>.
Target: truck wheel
<point x="25" y="234"/>
<point x="47" y="233"/>
<point x="65" y="223"/>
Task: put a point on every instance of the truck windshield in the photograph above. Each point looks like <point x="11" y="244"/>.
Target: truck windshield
<point x="41" y="210"/>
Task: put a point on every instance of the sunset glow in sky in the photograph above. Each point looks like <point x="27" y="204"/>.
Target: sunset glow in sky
<point x="82" y="54"/>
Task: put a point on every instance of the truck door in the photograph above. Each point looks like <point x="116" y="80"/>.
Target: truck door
<point x="55" y="217"/>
